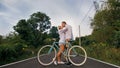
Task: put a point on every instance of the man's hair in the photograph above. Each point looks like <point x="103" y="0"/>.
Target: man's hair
<point x="64" y="22"/>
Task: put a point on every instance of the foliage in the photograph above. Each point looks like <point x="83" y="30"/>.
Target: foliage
<point x="106" y="24"/>
<point x="86" y="40"/>
<point x="32" y="30"/>
<point x="1" y="38"/>
<point x="116" y="39"/>
<point x="48" y="41"/>
<point x="54" y="32"/>
<point x="28" y="35"/>
<point x="12" y="48"/>
<point x="10" y="53"/>
<point x="104" y="52"/>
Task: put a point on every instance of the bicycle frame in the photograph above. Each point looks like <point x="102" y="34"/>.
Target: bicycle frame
<point x="57" y="47"/>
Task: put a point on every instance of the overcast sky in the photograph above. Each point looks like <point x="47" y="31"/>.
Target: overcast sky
<point x="71" y="11"/>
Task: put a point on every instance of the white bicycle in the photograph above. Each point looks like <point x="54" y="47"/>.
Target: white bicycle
<point x="75" y="54"/>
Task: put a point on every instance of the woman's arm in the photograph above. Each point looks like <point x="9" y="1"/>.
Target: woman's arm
<point x="63" y="29"/>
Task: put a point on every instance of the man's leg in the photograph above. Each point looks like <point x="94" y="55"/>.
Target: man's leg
<point x="68" y="62"/>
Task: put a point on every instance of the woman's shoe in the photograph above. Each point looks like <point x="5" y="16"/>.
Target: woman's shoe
<point x="55" y="62"/>
<point x="61" y="62"/>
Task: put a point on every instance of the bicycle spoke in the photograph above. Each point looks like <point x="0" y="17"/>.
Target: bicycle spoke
<point x="46" y="55"/>
<point x="77" y="55"/>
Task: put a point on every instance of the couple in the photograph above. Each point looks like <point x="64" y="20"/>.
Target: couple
<point x="65" y="35"/>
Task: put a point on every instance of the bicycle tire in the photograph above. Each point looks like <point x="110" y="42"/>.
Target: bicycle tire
<point x="76" y="54"/>
<point x="40" y="56"/>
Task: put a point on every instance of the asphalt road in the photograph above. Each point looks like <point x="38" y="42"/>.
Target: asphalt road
<point x="33" y="63"/>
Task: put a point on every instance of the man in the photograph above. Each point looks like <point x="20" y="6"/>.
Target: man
<point x="68" y="31"/>
<point x="68" y="34"/>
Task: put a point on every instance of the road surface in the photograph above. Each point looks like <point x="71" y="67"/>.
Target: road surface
<point x="33" y="63"/>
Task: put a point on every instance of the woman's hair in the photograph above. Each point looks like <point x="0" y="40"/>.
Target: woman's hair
<point x="59" y="27"/>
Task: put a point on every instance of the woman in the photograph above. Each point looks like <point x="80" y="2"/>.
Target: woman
<point x="61" y="44"/>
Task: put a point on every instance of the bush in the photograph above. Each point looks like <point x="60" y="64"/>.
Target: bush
<point x="7" y="53"/>
<point x="13" y="52"/>
<point x="19" y="48"/>
<point x="104" y="52"/>
<point x="48" y="41"/>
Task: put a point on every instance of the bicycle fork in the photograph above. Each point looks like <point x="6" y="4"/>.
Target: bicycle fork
<point x="50" y="50"/>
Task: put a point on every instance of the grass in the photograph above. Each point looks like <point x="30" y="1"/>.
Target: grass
<point x="104" y="52"/>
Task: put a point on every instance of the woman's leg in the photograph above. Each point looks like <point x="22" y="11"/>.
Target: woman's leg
<point x="62" y="47"/>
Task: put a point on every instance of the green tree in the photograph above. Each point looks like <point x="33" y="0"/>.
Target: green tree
<point x="54" y="32"/>
<point x="1" y="38"/>
<point x="32" y="30"/>
<point x="85" y="40"/>
<point x="48" y="36"/>
<point x="106" y="23"/>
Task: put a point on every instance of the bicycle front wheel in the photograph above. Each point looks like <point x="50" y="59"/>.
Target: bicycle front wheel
<point x="77" y="55"/>
<point x="46" y="55"/>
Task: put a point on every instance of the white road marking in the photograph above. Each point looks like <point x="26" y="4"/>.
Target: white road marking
<point x="104" y="62"/>
<point x="17" y="62"/>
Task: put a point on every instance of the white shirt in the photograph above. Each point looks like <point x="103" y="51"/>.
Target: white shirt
<point x="61" y="36"/>
<point x="68" y="32"/>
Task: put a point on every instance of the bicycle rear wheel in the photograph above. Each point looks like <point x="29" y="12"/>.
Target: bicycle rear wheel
<point x="46" y="55"/>
<point x="77" y="55"/>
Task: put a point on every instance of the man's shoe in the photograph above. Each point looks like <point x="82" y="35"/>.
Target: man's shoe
<point x="68" y="63"/>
